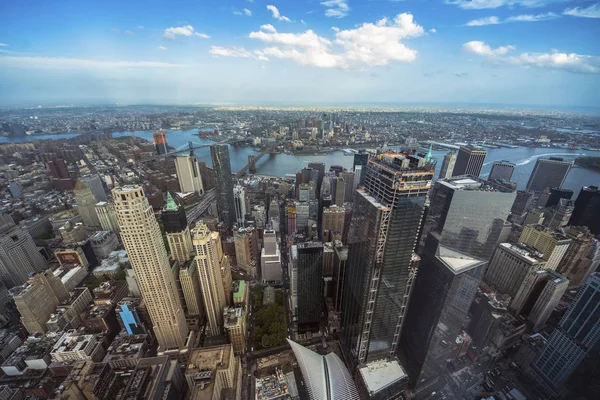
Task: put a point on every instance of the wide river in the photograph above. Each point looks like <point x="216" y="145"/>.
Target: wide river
<point x="281" y="164"/>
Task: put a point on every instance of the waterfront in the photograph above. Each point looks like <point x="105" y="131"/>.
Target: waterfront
<point x="281" y="164"/>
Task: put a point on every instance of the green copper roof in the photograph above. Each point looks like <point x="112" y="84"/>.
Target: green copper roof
<point x="240" y="292"/>
<point x="171" y="205"/>
<point x="429" y="154"/>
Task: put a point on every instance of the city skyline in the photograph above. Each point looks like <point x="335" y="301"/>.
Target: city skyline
<point x="536" y="52"/>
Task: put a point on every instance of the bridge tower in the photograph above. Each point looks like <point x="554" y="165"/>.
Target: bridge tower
<point x="252" y="164"/>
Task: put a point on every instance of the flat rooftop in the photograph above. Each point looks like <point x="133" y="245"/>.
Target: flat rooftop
<point x="380" y="374"/>
<point x="456" y="261"/>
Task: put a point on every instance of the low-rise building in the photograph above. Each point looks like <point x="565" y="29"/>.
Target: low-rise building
<point x="73" y="346"/>
<point x="113" y="264"/>
<point x="104" y="242"/>
<point x="214" y="373"/>
<point x="234" y="322"/>
<point x="126" y="350"/>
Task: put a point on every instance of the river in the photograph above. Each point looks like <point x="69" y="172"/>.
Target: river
<point x="281" y="164"/>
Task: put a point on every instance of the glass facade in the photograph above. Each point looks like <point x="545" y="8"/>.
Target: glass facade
<point x="386" y="220"/>
<point x="219" y="154"/>
<point x="310" y="285"/>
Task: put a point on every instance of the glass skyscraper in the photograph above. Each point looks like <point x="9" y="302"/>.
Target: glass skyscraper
<point x="219" y="154"/>
<point x="386" y="220"/>
<point x="576" y="334"/>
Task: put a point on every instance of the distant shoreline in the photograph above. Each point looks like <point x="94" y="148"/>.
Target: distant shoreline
<point x="592" y="163"/>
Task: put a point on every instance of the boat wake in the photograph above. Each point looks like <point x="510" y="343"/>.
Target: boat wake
<point x="532" y="158"/>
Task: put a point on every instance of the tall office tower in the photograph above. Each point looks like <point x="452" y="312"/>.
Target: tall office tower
<point x="310" y="286"/>
<point x="275" y="215"/>
<point x="320" y="167"/>
<point x="333" y="223"/>
<point x="234" y="320"/>
<point x="553" y="196"/>
<point x="106" y="216"/>
<point x="19" y="256"/>
<point x="305" y="192"/>
<point x="37" y="299"/>
<point x="270" y="258"/>
<point x="59" y="174"/>
<point x="360" y="159"/>
<point x="96" y="185"/>
<point x="190" y="285"/>
<point x="576" y="334"/>
<point x="522" y="204"/>
<point x="339" y="190"/>
<point x="188" y="174"/>
<point x="386" y="219"/>
<point x="340" y="258"/>
<point x="247" y="250"/>
<point x="290" y="212"/>
<point x="177" y="231"/>
<point x="544" y="302"/>
<point x="160" y="142"/>
<point x="445" y="286"/>
<point x="469" y="214"/>
<point x="148" y="256"/>
<point x="558" y="216"/>
<point x="587" y="209"/>
<point x="209" y="255"/>
<point x="86" y="204"/>
<point x="226" y="277"/>
<point x="551" y="244"/>
<point x="502" y="170"/>
<point x="302" y="216"/>
<point x="577" y="261"/>
<point x="358" y="176"/>
<point x="239" y="199"/>
<point x="293" y="275"/>
<point x="548" y="173"/>
<point x="448" y="165"/>
<point x="509" y="266"/>
<point x="326" y="376"/>
<point x="469" y="161"/>
<point x="349" y="186"/>
<point x="488" y="310"/>
<point x="219" y="154"/>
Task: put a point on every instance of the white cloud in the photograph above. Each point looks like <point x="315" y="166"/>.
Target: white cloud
<point x="490" y="4"/>
<point x="336" y="8"/>
<point x="3" y="45"/>
<point x="77" y="63"/>
<point x="303" y="22"/>
<point x="115" y="30"/>
<point x="229" y="52"/>
<point x="477" y="47"/>
<point x="484" y="21"/>
<point x="433" y="30"/>
<point x="556" y="60"/>
<point x="517" y="18"/>
<point x="592" y="11"/>
<point x="161" y="47"/>
<point x="276" y="14"/>
<point x="368" y="44"/>
<point x="140" y="27"/>
<point x="187" y="31"/>
<point x="128" y="32"/>
<point x="247" y="12"/>
<point x="237" y="13"/>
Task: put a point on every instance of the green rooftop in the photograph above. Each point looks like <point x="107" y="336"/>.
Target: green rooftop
<point x="238" y="294"/>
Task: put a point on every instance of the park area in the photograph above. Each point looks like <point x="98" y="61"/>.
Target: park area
<point x="269" y="319"/>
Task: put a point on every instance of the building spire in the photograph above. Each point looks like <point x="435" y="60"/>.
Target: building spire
<point x="429" y="154"/>
<point x="171" y="205"/>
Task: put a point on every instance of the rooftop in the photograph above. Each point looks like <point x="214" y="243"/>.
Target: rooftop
<point x="380" y="374"/>
<point x="456" y="261"/>
<point x="238" y="291"/>
<point x="470" y="182"/>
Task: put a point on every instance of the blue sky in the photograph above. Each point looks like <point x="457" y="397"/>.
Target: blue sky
<point x="537" y="52"/>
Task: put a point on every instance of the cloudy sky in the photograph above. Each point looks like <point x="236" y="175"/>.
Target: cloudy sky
<point x="536" y="52"/>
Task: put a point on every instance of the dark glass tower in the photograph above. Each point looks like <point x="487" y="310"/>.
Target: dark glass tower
<point x="469" y="214"/>
<point x="173" y="216"/>
<point x="219" y="154"/>
<point x="386" y="218"/>
<point x="469" y="161"/>
<point x="310" y="286"/>
<point x="548" y="173"/>
<point x="587" y="209"/>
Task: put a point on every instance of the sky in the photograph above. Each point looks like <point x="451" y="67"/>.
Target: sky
<point x="531" y="52"/>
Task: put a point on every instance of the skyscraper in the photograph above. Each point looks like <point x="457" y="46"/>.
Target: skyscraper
<point x="445" y="286"/>
<point x="59" y="174"/>
<point x="587" y="209"/>
<point x="270" y="259"/>
<point x="333" y="223"/>
<point x="190" y="286"/>
<point x="96" y="185"/>
<point x="188" y="174"/>
<point x="553" y="245"/>
<point x="386" y="220"/>
<point x="219" y="154"/>
<point x="209" y="256"/>
<point x="349" y="186"/>
<point x="310" y="286"/>
<point x="239" y="198"/>
<point x="470" y="214"/>
<point x="146" y="250"/>
<point x="339" y="190"/>
<point x="246" y="250"/>
<point x="106" y="216"/>
<point x="469" y="161"/>
<point x="448" y="165"/>
<point x="160" y="142"/>
<point x="576" y="334"/>
<point x="548" y="173"/>
<point x="86" y="204"/>
<point x="177" y="231"/>
<point x="320" y="167"/>
<point x="19" y="255"/>
<point x="509" y="266"/>
<point x="502" y="170"/>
